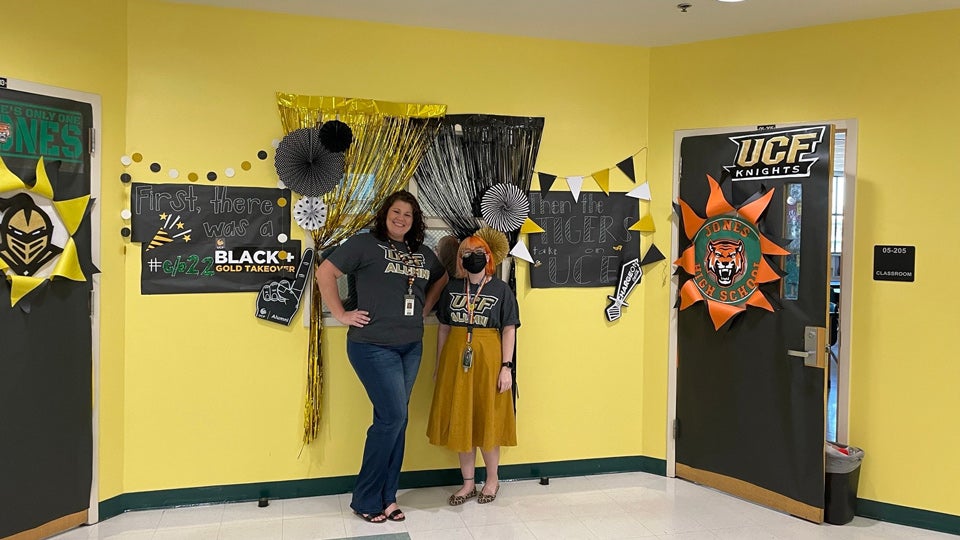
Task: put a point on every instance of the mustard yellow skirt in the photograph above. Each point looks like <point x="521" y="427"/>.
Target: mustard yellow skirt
<point x="467" y="411"/>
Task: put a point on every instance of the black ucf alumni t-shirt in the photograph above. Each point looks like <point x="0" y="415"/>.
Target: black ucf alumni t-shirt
<point x="381" y="269"/>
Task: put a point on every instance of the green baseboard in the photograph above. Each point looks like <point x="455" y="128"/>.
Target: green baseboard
<point x="912" y="517"/>
<point x="289" y="489"/>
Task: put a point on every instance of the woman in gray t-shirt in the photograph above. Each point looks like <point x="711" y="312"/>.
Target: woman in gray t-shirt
<point x="398" y="280"/>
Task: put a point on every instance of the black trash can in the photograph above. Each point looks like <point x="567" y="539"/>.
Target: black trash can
<point x="842" y="477"/>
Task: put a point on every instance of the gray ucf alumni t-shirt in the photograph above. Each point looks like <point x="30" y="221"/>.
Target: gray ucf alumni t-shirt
<point x="381" y="271"/>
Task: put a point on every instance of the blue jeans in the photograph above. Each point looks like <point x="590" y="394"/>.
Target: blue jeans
<point x="387" y="373"/>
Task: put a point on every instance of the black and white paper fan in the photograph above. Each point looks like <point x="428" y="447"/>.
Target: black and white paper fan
<point x="504" y="207"/>
<point x="310" y="213"/>
<point x="305" y="166"/>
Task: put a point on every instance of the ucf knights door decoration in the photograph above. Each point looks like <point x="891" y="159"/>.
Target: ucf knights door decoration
<point x="46" y="348"/>
<point x="751" y="284"/>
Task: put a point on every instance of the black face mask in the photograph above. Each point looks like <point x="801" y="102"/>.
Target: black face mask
<point x="475" y="262"/>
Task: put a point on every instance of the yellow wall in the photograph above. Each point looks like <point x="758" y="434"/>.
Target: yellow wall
<point x="82" y="46"/>
<point x="898" y="77"/>
<point x="197" y="392"/>
<point x="213" y="395"/>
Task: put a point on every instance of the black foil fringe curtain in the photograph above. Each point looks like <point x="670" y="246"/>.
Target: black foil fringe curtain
<point x="471" y="153"/>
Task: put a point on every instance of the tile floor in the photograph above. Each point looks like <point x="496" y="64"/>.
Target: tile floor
<point x="629" y="505"/>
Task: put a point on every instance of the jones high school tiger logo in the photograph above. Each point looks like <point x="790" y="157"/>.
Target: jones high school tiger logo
<point x="728" y="248"/>
<point x="725" y="261"/>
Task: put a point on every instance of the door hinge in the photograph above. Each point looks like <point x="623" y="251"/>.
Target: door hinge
<point x="93" y="140"/>
<point x="676" y="428"/>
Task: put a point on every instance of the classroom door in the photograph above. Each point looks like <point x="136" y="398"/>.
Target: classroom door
<point x="46" y="395"/>
<point x="750" y="394"/>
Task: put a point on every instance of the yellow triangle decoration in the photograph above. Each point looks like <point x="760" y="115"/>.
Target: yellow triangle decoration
<point x="43" y="186"/>
<point x="603" y="180"/>
<point x="8" y="180"/>
<point x="22" y="286"/>
<point x="68" y="265"/>
<point x="529" y="226"/>
<point x="644" y="225"/>
<point x="71" y="212"/>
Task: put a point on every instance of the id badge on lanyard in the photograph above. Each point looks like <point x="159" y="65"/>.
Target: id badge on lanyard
<point x="409" y="301"/>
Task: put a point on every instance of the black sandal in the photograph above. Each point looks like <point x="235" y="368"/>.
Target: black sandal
<point x="392" y="516"/>
<point x="372" y="518"/>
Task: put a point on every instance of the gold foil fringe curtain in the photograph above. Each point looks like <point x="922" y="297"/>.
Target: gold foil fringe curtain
<point x="389" y="139"/>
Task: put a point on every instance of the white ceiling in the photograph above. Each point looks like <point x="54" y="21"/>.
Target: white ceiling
<point x="648" y="23"/>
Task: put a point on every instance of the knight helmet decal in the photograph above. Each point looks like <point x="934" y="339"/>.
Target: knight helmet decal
<point x="26" y="234"/>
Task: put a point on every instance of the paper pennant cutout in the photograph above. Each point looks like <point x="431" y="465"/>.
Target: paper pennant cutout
<point x="645" y="224"/>
<point x="520" y="251"/>
<point x="72" y="212"/>
<point x="603" y="180"/>
<point x="626" y="167"/>
<point x="529" y="226"/>
<point x="653" y="255"/>
<point x="22" y="287"/>
<point x="575" y="183"/>
<point x="640" y="192"/>
<point x="546" y="181"/>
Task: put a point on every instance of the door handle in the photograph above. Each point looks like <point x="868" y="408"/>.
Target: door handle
<point x="815" y="343"/>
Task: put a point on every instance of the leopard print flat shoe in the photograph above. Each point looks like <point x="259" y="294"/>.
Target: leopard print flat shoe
<point x="483" y="498"/>
<point x="457" y="500"/>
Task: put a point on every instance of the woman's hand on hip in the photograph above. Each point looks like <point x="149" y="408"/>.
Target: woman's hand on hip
<point x="357" y="317"/>
<point x="505" y="382"/>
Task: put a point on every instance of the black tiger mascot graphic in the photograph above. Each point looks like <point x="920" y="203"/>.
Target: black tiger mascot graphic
<point x="26" y="235"/>
<point x="725" y="261"/>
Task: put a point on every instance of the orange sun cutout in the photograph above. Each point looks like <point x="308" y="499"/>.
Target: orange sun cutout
<point x="725" y="257"/>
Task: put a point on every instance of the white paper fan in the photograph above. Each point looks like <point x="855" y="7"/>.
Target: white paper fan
<point x="310" y="213"/>
<point x="504" y="207"/>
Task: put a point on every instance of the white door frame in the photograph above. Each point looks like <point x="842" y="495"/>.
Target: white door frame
<point x="846" y="279"/>
<point x="93" y="513"/>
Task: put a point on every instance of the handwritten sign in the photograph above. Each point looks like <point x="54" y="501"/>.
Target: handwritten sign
<point x="585" y="241"/>
<point x="199" y="239"/>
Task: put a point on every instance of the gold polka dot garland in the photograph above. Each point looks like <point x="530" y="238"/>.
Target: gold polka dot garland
<point x="172" y="173"/>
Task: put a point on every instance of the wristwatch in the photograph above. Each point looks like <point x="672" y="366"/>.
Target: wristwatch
<point x="507" y="365"/>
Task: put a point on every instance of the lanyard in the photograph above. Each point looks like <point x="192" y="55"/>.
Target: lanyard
<point x="471" y="304"/>
<point x="409" y="262"/>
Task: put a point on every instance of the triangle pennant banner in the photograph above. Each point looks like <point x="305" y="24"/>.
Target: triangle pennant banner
<point x="640" y="192"/>
<point x="653" y="255"/>
<point x="645" y="224"/>
<point x="530" y="226"/>
<point x="546" y="181"/>
<point x="626" y="167"/>
<point x="603" y="180"/>
<point x="575" y="183"/>
<point x="521" y="252"/>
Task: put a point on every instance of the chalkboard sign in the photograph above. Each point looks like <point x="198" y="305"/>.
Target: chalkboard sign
<point x="585" y="241"/>
<point x="200" y="239"/>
